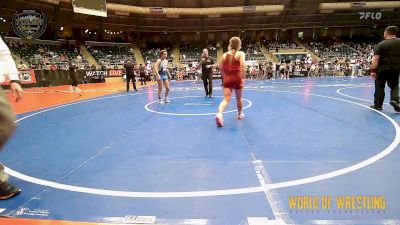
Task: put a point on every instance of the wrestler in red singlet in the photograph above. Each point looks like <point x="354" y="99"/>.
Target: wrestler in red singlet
<point x="232" y="67"/>
<point x="232" y="74"/>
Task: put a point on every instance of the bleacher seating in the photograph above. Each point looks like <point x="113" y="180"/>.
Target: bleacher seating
<point x="281" y="45"/>
<point x="151" y="52"/>
<point x="253" y="52"/>
<point x="45" y="55"/>
<point x="191" y="52"/>
<point x="111" y="57"/>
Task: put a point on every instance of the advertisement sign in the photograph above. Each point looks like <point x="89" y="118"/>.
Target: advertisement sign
<point x="95" y="74"/>
<point x="115" y="73"/>
<point x="25" y="77"/>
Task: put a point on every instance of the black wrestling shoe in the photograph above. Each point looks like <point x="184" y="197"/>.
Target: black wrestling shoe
<point x="8" y="191"/>
<point x="376" y="107"/>
<point x="395" y="105"/>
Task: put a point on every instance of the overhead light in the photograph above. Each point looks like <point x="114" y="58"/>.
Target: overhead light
<point x="87" y="30"/>
<point x="61" y="28"/>
<point x="95" y="32"/>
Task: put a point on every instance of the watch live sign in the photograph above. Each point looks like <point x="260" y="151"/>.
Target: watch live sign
<point x="105" y="73"/>
<point x="115" y="73"/>
<point x="25" y="77"/>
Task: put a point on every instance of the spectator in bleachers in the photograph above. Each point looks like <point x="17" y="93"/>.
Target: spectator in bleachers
<point x="22" y="66"/>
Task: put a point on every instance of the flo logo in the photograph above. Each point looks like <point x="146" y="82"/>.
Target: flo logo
<point x="29" y="23"/>
<point x="370" y="15"/>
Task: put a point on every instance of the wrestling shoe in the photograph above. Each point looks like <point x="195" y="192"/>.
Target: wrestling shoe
<point x="240" y="116"/>
<point x="376" y="107"/>
<point x="8" y="191"/>
<point x="395" y="105"/>
<point x="218" y="120"/>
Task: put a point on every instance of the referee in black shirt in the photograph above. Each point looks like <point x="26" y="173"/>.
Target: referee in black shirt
<point x="385" y="67"/>
<point x="206" y="64"/>
<point x="130" y="74"/>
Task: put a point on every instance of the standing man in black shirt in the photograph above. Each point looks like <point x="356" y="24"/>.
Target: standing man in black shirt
<point x="206" y="64"/>
<point x="385" y="67"/>
<point x="130" y="74"/>
<point x="74" y="77"/>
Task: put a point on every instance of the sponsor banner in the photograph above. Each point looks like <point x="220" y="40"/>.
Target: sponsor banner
<point x="29" y="23"/>
<point x="103" y="73"/>
<point x="115" y="73"/>
<point x="95" y="74"/>
<point x="25" y="77"/>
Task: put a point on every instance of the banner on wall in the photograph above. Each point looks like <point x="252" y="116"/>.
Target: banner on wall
<point x="115" y="73"/>
<point x="25" y="77"/>
<point x="29" y="23"/>
<point x="95" y="73"/>
<point x="104" y="73"/>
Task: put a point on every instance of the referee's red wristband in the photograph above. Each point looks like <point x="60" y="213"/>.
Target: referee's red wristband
<point x="373" y="70"/>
